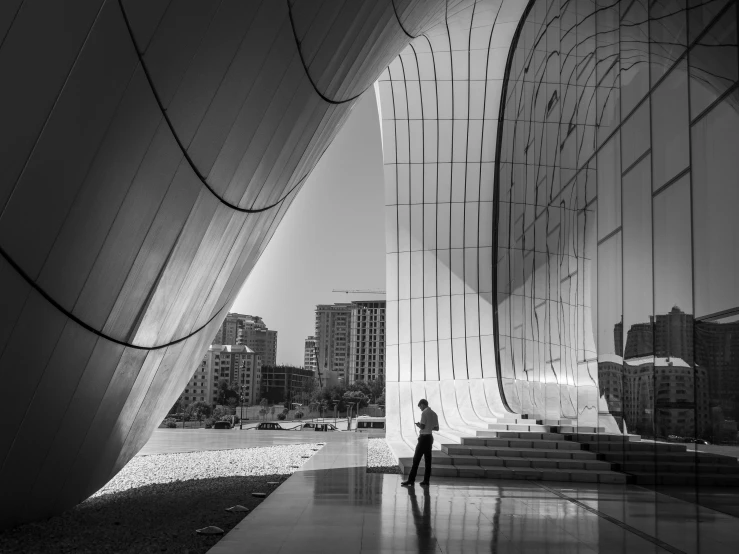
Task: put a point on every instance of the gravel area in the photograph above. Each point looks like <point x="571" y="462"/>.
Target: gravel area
<point x="380" y="459"/>
<point x="156" y="502"/>
<point x="208" y="464"/>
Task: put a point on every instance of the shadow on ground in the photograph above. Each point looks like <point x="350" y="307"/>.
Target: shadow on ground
<point x="154" y="518"/>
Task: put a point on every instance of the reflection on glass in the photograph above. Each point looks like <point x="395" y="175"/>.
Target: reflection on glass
<point x="713" y="63"/>
<point x="648" y="278"/>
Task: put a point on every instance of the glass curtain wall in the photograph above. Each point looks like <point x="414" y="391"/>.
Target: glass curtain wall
<point x="617" y="235"/>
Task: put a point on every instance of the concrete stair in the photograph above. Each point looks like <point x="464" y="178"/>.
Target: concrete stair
<point x="654" y="463"/>
<point x="532" y="447"/>
<point x="544" y="456"/>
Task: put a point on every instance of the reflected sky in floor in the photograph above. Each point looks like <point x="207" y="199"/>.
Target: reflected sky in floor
<point x="333" y="505"/>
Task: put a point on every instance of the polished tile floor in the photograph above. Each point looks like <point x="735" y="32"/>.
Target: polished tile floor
<point x="333" y="505"/>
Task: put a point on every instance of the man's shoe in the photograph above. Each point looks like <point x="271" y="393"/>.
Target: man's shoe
<point x="407" y="484"/>
<point x="424" y="483"/>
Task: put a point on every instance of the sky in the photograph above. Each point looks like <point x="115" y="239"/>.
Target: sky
<point x="332" y="237"/>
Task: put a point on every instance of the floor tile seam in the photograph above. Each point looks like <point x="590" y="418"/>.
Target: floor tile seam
<point x="265" y="506"/>
<point x="666" y="498"/>
<point x="625" y="526"/>
<point x="647" y="498"/>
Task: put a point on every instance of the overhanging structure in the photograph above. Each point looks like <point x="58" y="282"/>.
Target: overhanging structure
<point x="559" y="177"/>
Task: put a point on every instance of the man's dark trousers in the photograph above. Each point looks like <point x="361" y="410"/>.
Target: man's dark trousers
<point x="423" y="449"/>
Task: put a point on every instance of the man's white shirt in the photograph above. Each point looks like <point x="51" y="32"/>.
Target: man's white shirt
<point x="430" y="421"/>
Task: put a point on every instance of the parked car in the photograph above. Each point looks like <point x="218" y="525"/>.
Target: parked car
<point x="270" y="426"/>
<point x="317" y="427"/>
<point x="222" y="425"/>
<point x="371" y="425"/>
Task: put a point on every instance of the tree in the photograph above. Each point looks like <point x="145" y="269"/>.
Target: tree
<point x="198" y="410"/>
<point x="225" y="392"/>
<point x="176" y="407"/>
<point x="373" y="388"/>
<point x="357" y="398"/>
<point x="377" y="388"/>
<point x="219" y="413"/>
<point x="264" y="403"/>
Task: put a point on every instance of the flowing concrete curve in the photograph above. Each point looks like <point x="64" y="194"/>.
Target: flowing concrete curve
<point x="439" y="103"/>
<point x="149" y="149"/>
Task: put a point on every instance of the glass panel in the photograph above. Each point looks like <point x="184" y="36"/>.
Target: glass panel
<point x="609" y="187"/>
<point x="701" y="13"/>
<point x="635" y="136"/>
<point x="670" y="151"/>
<point x="716" y="240"/>
<point x="717" y="386"/>
<point x="713" y="63"/>
<point x="668" y="33"/>
<point x="634" y="54"/>
<point x="675" y="400"/>
<point x="637" y="265"/>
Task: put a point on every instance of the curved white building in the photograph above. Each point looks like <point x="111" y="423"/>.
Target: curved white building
<point x="439" y="103"/>
<point x="560" y="181"/>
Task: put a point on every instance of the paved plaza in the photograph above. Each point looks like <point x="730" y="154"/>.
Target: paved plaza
<point x="333" y="505"/>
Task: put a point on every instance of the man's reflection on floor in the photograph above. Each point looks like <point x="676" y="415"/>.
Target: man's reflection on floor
<point x="422" y="520"/>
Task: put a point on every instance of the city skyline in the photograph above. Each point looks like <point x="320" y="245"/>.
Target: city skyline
<point x="286" y="298"/>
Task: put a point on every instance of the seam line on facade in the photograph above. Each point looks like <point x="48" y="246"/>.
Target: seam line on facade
<point x="671" y="182"/>
<point x="177" y="139"/>
<point x="719" y="315"/>
<point x="400" y="23"/>
<point x="305" y="67"/>
<point x="89" y="327"/>
<point x="451" y="191"/>
<point x="496" y="195"/>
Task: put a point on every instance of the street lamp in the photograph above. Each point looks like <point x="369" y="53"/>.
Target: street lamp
<point x="241" y="395"/>
<point x="241" y="406"/>
<point x="336" y="405"/>
<point x="349" y="415"/>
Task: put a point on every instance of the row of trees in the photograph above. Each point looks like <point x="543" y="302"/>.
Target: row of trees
<point x="359" y="394"/>
<point x="323" y="401"/>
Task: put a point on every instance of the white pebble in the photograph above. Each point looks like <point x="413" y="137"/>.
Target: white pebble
<point x="208" y="464"/>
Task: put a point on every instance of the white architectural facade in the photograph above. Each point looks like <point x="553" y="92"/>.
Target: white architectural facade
<point x="514" y="277"/>
<point x="439" y="103"/>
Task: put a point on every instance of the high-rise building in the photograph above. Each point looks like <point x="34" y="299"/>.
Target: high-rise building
<point x="238" y="365"/>
<point x="281" y="383"/>
<point x="262" y="341"/>
<point x="309" y="358"/>
<point x="367" y="341"/>
<point x="333" y="333"/>
<point x="251" y="331"/>
<point x="351" y="341"/>
<point x="639" y="340"/>
<point x="673" y="335"/>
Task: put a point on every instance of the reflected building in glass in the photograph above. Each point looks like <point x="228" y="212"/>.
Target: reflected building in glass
<point x="616" y="232"/>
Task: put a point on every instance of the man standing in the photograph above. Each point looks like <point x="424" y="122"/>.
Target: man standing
<point x="429" y="422"/>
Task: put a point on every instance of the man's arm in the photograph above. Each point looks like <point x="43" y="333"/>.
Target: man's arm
<point x="422" y="424"/>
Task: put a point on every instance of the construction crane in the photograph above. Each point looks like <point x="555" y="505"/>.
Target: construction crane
<point x="370" y="291"/>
